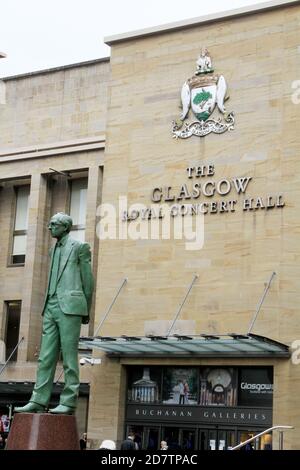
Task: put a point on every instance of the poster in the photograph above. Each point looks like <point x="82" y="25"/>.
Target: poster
<point x="144" y="384"/>
<point x="221" y="444"/>
<point x="218" y="386"/>
<point x="180" y="386"/>
<point x="212" y="444"/>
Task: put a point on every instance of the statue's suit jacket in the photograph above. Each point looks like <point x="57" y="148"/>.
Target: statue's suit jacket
<point x="75" y="284"/>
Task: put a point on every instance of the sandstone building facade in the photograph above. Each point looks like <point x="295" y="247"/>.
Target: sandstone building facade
<point x="221" y="378"/>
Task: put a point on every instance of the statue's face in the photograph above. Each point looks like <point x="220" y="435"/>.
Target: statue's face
<point x="57" y="228"/>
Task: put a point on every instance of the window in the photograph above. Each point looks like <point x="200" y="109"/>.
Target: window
<point x="13" y="311"/>
<point x="78" y="208"/>
<point x="20" y="225"/>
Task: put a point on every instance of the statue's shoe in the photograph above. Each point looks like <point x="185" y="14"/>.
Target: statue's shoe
<point x="62" y="410"/>
<point x="31" y="407"/>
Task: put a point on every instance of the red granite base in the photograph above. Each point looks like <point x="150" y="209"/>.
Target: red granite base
<point x="43" y="431"/>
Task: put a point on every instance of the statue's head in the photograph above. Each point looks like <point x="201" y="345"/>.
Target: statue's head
<point x="60" y="224"/>
<point x="204" y="52"/>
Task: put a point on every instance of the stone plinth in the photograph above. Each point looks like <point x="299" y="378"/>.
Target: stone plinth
<point x="43" y="431"/>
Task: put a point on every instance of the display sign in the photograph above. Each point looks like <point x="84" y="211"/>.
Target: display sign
<point x="204" y="194"/>
<point x="201" y="386"/>
<point x="200" y="414"/>
<point x="255" y="386"/>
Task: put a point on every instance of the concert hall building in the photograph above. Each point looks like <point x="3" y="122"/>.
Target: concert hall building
<point x="178" y="159"/>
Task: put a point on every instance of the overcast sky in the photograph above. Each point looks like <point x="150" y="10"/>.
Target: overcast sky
<point x="38" y="34"/>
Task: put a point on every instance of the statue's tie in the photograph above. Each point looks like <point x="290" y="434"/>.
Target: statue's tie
<point x="54" y="270"/>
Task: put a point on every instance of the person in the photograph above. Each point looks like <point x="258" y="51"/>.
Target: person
<point x="181" y="393"/>
<point x="137" y="440"/>
<point x="173" y="443"/>
<point x="163" y="445"/>
<point x="176" y="390"/>
<point x="83" y="441"/>
<point x="188" y="442"/>
<point x="129" y="444"/>
<point x="186" y="390"/>
<point x="247" y="447"/>
<point x="268" y="446"/>
<point x="107" y="444"/>
<point x="67" y="305"/>
<point x="6" y="423"/>
<point x="2" y="442"/>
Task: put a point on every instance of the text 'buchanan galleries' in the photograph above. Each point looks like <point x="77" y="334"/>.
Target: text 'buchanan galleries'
<point x="169" y="201"/>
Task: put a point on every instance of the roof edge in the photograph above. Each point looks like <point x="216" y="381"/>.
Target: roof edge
<point x="57" y="69"/>
<point x="188" y="23"/>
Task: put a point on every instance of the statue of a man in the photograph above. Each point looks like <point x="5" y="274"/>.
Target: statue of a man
<point x="67" y="305"/>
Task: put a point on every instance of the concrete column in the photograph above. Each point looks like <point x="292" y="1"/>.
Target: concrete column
<point x="36" y="268"/>
<point x="60" y="195"/>
<point x="94" y="193"/>
<point x="107" y="401"/>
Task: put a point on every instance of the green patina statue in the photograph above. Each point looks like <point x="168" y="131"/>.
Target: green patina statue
<point x="67" y="305"/>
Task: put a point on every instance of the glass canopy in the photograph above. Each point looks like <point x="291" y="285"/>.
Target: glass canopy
<point x="204" y="345"/>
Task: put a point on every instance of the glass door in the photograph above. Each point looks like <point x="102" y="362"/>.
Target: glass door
<point x="138" y="434"/>
<point x="212" y="439"/>
<point x="151" y="438"/>
<point x="261" y="443"/>
<point x="226" y="439"/>
<point x="216" y="439"/>
<point x="179" y="437"/>
<point x="171" y="436"/>
<point x="188" y="439"/>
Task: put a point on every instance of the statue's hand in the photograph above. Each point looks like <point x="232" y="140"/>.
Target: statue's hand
<point x="85" y="320"/>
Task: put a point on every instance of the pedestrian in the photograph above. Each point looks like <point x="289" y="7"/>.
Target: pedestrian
<point x="181" y="392"/>
<point x="247" y="447"/>
<point x="186" y="389"/>
<point x="107" y="444"/>
<point x="129" y="444"/>
<point x="83" y="441"/>
<point x="2" y="442"/>
<point x="163" y="445"/>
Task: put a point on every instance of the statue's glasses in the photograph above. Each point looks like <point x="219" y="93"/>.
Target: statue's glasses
<point x="54" y="224"/>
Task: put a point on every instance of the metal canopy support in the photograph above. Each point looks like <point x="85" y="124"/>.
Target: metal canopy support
<point x="261" y="302"/>
<point x="11" y="354"/>
<point x="60" y="374"/>
<point x="62" y="173"/>
<point x="182" y="304"/>
<point x="110" y="307"/>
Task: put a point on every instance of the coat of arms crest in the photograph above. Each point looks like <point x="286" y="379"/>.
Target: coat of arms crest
<point x="202" y="92"/>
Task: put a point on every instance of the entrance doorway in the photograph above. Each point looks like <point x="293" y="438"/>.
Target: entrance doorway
<point x="152" y="438"/>
<point x="179" y="438"/>
<point x="216" y="439"/>
<point x="195" y="438"/>
<point x="261" y="443"/>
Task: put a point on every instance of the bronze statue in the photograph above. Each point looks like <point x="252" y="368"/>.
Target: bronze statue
<point x="67" y="305"/>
